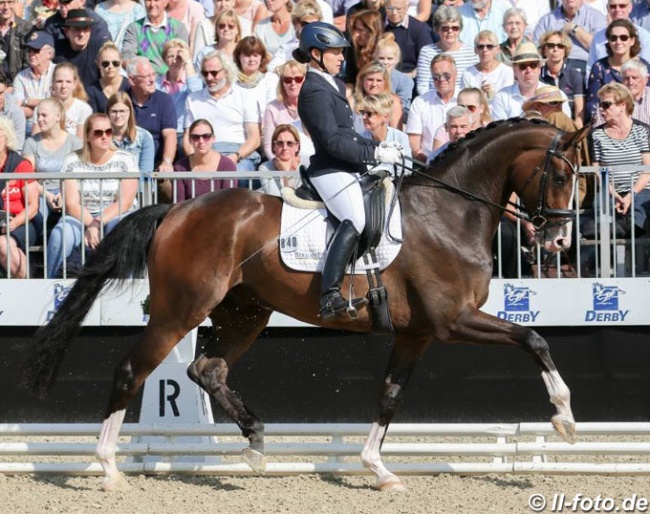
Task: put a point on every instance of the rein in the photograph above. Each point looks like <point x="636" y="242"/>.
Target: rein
<point x="540" y="216"/>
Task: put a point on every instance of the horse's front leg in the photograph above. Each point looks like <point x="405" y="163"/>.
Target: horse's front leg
<point x="404" y="357"/>
<point x="478" y="327"/>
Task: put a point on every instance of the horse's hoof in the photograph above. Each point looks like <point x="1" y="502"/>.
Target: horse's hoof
<point x="391" y="483"/>
<point x="118" y="483"/>
<point x="255" y="459"/>
<point x="565" y="428"/>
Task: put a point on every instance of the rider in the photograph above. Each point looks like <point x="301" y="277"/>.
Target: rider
<point x="341" y="155"/>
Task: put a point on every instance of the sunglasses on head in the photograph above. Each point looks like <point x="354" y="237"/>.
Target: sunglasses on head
<point x="222" y="26"/>
<point x="606" y="105"/>
<point x="288" y="144"/>
<point x="485" y="47"/>
<point x="450" y="28"/>
<point x="195" y="138"/>
<point x="101" y="133"/>
<point x="622" y="37"/>
<point x="437" y="77"/>
<point x="106" y="64"/>
<point x="297" y="79"/>
<point x="555" y="45"/>
<point x="211" y="73"/>
<point x="532" y="65"/>
<point x="469" y="107"/>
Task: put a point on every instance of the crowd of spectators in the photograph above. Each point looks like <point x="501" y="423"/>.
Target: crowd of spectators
<point x="200" y="85"/>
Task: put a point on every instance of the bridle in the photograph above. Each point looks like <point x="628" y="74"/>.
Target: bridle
<point x="541" y="217"/>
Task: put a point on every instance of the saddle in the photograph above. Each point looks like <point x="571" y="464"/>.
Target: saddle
<point x="374" y="200"/>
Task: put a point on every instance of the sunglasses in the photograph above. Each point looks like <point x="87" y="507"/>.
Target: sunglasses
<point x="288" y="144"/>
<point x="470" y="108"/>
<point x="606" y="105"/>
<point x="367" y="113"/>
<point x="617" y="6"/>
<point x="101" y="133"/>
<point x="230" y="26"/>
<point x="450" y="28"/>
<point x="532" y="65"/>
<point x="554" y="104"/>
<point x="437" y="77"/>
<point x="298" y="79"/>
<point x="195" y="138"/>
<point x="555" y="45"/>
<point x="211" y="73"/>
<point x="486" y="47"/>
<point x="622" y="37"/>
<point x="106" y="64"/>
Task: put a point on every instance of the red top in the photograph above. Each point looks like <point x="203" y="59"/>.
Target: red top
<point x="12" y="195"/>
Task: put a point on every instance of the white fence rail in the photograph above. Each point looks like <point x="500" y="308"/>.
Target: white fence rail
<point x="292" y="449"/>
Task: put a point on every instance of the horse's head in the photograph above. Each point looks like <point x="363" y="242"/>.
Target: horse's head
<point x="547" y="190"/>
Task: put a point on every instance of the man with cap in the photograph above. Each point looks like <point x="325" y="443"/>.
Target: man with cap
<point x="33" y="84"/>
<point x="78" y="48"/>
<point x="54" y="24"/>
<point x="526" y="65"/>
<point x="12" y="35"/>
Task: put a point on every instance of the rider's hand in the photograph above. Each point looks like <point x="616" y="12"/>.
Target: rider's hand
<point x="389" y="155"/>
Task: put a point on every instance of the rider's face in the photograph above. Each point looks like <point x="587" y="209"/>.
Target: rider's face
<point x="333" y="60"/>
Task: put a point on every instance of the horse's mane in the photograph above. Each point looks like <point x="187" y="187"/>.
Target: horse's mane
<point x="454" y="147"/>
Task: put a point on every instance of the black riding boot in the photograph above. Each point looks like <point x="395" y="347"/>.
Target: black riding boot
<point x="340" y="251"/>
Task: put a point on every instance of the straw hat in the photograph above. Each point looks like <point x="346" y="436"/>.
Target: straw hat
<point x="526" y="52"/>
<point x="545" y="95"/>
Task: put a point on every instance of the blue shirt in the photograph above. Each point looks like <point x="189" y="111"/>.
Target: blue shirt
<point x="96" y="97"/>
<point x="640" y="14"/>
<point x="155" y="115"/>
<point x="142" y="148"/>
<point x="191" y="85"/>
<point x="472" y="24"/>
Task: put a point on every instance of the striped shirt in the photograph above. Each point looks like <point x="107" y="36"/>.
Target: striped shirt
<point x="464" y="58"/>
<point x="621" y="152"/>
<point x="26" y="85"/>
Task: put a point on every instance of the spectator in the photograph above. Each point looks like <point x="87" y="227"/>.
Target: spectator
<point x="389" y="54"/>
<point x="447" y="24"/>
<point x="251" y="58"/>
<point x="147" y="36"/>
<point x="13" y="31"/>
<point x="109" y="63"/>
<point x="285" y="141"/>
<point x="34" y="83"/>
<point x="489" y="75"/>
<point x="93" y="210"/>
<point x="189" y="13"/>
<point x="623" y="141"/>
<point x="236" y="121"/>
<point x="284" y="109"/>
<point x="555" y="46"/>
<point x="372" y="5"/>
<point x="252" y="10"/>
<point x="375" y="111"/>
<point x="118" y="15"/>
<point x="78" y="48"/>
<point x="202" y="158"/>
<point x="514" y="25"/>
<point x="67" y="88"/>
<point x="618" y="10"/>
<point x="481" y="15"/>
<point x="127" y="135"/>
<point x="578" y="21"/>
<point x="373" y="79"/>
<point x="475" y="102"/>
<point x="366" y="28"/>
<point x="428" y="111"/>
<point x="10" y="110"/>
<point x="635" y="78"/>
<point x="340" y="10"/>
<point x="46" y="152"/>
<point x="54" y="24"/>
<point x="179" y="81"/>
<point x="410" y="33"/>
<point x="640" y="14"/>
<point x="533" y="10"/>
<point x="154" y="111"/>
<point x="458" y="123"/>
<point x="20" y="199"/>
<point x="227" y="33"/>
<point x="277" y="28"/>
<point x="623" y="45"/>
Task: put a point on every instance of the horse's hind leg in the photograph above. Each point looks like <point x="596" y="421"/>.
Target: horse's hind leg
<point x="478" y="327"/>
<point x="235" y="327"/>
<point x="405" y="355"/>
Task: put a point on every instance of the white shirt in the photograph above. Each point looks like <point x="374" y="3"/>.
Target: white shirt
<point x="508" y="102"/>
<point x="427" y="113"/>
<point x="500" y="77"/>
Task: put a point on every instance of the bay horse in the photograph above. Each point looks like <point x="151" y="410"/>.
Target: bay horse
<point x="217" y="257"/>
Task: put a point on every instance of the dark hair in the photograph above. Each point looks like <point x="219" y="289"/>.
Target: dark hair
<point x="631" y="30"/>
<point x="201" y="121"/>
<point x="251" y="45"/>
<point x="4" y="79"/>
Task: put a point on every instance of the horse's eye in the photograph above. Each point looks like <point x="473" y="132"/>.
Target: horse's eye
<point x="560" y="180"/>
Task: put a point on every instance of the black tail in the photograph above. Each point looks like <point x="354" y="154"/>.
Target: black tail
<point x="121" y="256"/>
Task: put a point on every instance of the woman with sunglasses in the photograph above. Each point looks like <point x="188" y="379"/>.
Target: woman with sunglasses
<point x="222" y="32"/>
<point x="284" y="109"/>
<point x="447" y="24"/>
<point x="204" y="158"/>
<point x="555" y="47"/>
<point x="488" y="75"/>
<point x="92" y="210"/>
<point x="127" y="135"/>
<point x="515" y="23"/>
<point x="373" y="79"/>
<point x="109" y="62"/>
<point x="622" y="45"/>
<point x="286" y="157"/>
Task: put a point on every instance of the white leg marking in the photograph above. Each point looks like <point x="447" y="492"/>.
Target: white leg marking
<point x="560" y="396"/>
<point x="106" y="448"/>
<point x="371" y="459"/>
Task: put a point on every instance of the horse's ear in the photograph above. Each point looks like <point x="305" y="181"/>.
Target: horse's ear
<point x="573" y="138"/>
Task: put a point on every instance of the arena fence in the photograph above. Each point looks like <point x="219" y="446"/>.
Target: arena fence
<point x="292" y="449"/>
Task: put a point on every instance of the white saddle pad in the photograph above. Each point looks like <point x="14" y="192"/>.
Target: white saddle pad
<point x="304" y="235"/>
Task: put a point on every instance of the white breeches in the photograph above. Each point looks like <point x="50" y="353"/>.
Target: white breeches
<point x="341" y="193"/>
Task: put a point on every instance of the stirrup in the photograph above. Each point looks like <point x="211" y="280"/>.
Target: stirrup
<point x="335" y="305"/>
